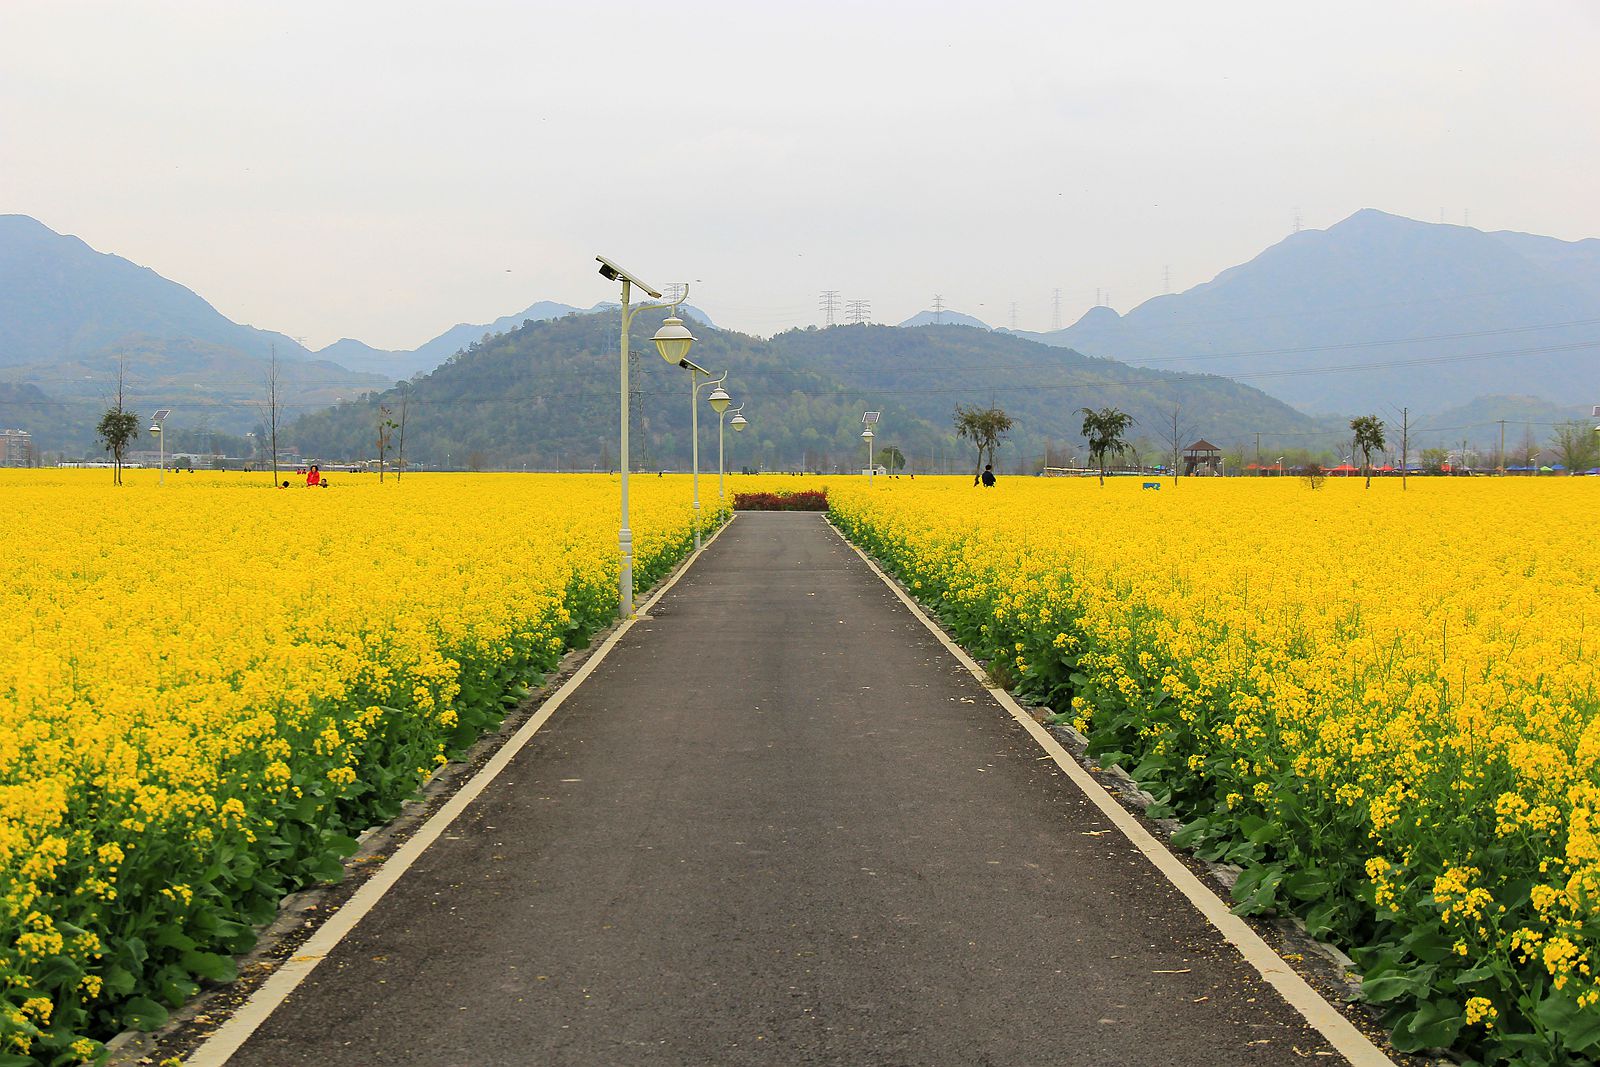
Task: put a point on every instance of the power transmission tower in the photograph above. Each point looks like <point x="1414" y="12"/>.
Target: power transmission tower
<point x="1055" y="317"/>
<point x="829" y="304"/>
<point x="858" y="311"/>
<point x="675" y="290"/>
<point x="1166" y="280"/>
<point x="1013" y="316"/>
<point x="1297" y="220"/>
<point x="938" y="308"/>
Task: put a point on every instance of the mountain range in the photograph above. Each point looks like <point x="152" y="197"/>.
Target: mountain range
<point x="1376" y="313"/>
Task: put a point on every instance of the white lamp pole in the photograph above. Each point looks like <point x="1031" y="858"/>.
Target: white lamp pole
<point x="738" y="421"/>
<point x="673" y="341"/>
<point x="867" y="435"/>
<point x="719" y="401"/>
<point x="695" y="384"/>
<point x="679" y="348"/>
<point x="155" y="427"/>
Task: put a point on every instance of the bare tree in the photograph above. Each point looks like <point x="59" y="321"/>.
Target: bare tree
<point x="1174" y="436"/>
<point x="272" y="410"/>
<point x="1575" y="441"/>
<point x="386" y="428"/>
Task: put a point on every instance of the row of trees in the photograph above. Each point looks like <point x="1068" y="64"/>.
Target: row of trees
<point x="1104" y="431"/>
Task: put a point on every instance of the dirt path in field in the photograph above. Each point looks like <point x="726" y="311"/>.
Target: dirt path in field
<point x="780" y="824"/>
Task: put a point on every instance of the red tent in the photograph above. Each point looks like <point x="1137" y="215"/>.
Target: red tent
<point x="1343" y="468"/>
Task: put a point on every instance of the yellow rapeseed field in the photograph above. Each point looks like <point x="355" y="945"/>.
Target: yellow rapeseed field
<point x="1382" y="704"/>
<point x="209" y="685"/>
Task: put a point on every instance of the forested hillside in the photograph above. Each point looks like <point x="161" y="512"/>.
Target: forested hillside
<point x="545" y="396"/>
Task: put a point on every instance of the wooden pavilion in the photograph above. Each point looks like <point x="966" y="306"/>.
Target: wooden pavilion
<point x="1202" y="458"/>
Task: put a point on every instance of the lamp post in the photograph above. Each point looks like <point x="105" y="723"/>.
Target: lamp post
<point x="719" y="401"/>
<point x="695" y="385"/>
<point x="738" y="419"/>
<point x="867" y="435"/>
<point x="155" y="427"/>
<point x="672" y="347"/>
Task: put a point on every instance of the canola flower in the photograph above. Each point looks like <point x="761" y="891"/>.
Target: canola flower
<point x="210" y="685"/>
<point x="1381" y="704"/>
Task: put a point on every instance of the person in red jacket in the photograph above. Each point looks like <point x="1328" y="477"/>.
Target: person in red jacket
<point x="313" y="477"/>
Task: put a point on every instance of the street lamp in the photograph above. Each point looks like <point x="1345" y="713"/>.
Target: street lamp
<point x="680" y="345"/>
<point x="155" y="427"/>
<point x="695" y="385"/>
<point x="719" y="401"/>
<point x="867" y="435"/>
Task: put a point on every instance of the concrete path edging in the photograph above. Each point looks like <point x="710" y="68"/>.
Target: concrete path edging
<point x="220" y="1046"/>
<point x="1317" y="1012"/>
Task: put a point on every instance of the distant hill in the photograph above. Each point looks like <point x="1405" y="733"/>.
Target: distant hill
<point x="69" y="315"/>
<point x="60" y="299"/>
<point x="944" y="318"/>
<point x="544" y="395"/>
<point x="399" y="364"/>
<point x="1378" y="310"/>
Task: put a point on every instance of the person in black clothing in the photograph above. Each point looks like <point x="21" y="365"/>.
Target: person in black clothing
<point x="988" y="474"/>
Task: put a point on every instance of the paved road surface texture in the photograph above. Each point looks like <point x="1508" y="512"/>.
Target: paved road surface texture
<point x="780" y="824"/>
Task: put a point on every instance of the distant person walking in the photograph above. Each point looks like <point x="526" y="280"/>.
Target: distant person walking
<point x="313" y="476"/>
<point x="988" y="475"/>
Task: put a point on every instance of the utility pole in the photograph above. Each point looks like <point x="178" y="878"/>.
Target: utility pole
<point x="1502" y="464"/>
<point x="829" y="304"/>
<point x="1405" y="445"/>
<point x="938" y="308"/>
<point x="1258" y="453"/>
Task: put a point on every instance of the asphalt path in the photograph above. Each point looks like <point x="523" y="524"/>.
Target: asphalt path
<point x="780" y="824"/>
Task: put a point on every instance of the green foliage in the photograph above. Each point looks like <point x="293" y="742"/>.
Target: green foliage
<point x="546" y="395"/>
<point x="1368" y="439"/>
<point x="985" y="428"/>
<point x="1104" y="430"/>
<point x="117" y="429"/>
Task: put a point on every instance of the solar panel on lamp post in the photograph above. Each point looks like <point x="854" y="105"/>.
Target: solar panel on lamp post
<point x="610" y="270"/>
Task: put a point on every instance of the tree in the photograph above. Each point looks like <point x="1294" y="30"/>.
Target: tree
<point x="272" y="411"/>
<point x="118" y="428"/>
<point x="1577" y="443"/>
<point x="386" y="428"/>
<point x="1173" y="436"/>
<point x="985" y="428"/>
<point x="1103" y="431"/>
<point x="892" y="458"/>
<point x="1368" y="438"/>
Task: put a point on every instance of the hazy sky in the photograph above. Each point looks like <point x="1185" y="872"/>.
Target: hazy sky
<point x="386" y="170"/>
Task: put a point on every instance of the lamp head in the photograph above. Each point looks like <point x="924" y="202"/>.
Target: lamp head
<point x="738" y="422"/>
<point x="719" y="400"/>
<point x="867" y="434"/>
<point x="674" y="340"/>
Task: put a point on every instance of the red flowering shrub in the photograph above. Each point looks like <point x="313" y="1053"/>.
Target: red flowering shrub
<point x="805" y="500"/>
